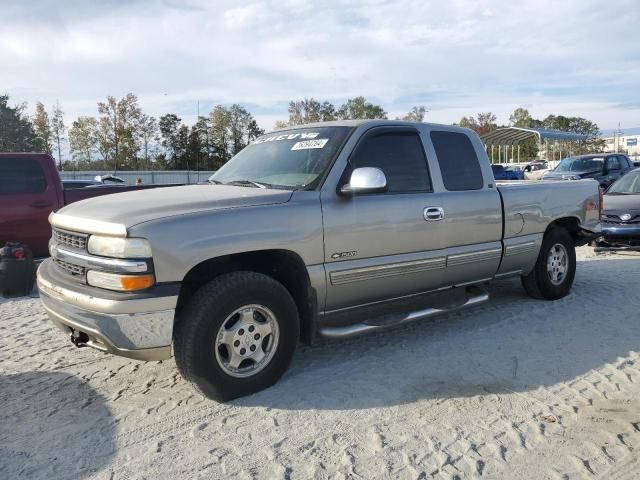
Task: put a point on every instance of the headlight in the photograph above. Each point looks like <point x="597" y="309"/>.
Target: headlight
<point x="119" y="247"/>
<point x="123" y="283"/>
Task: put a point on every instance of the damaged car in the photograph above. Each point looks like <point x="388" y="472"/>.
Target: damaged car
<point x="621" y="215"/>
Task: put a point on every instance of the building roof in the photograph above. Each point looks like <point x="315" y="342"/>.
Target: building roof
<point x="515" y="135"/>
<point x="620" y="131"/>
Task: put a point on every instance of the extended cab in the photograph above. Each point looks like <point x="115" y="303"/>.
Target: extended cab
<point x="30" y="189"/>
<point x="330" y="229"/>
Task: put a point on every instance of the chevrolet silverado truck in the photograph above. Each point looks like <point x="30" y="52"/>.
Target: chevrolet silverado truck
<point x="30" y="189"/>
<point x="330" y="229"/>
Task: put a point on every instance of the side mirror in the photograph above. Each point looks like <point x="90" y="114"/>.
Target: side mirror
<point x="365" y="180"/>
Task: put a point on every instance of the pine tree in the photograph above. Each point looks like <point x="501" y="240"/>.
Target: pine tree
<point x="16" y="131"/>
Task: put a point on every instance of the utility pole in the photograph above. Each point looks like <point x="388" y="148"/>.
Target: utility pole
<point x="619" y="132"/>
<point x="198" y="152"/>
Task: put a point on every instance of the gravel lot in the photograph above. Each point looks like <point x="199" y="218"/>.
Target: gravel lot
<point x="515" y="388"/>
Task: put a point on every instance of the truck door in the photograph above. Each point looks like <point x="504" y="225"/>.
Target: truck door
<point x="26" y="199"/>
<point x="613" y="169"/>
<point x="471" y="224"/>
<point x="379" y="246"/>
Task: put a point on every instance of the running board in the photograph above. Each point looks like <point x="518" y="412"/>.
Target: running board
<point x="480" y="296"/>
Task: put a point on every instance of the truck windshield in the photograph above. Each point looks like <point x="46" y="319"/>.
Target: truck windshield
<point x="627" y="185"/>
<point x="290" y="159"/>
<point x="576" y="164"/>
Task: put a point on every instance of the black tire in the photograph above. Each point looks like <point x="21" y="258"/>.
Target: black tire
<point x="538" y="283"/>
<point x="197" y="328"/>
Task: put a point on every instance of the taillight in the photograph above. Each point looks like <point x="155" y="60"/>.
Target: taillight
<point x="600" y="200"/>
<point x="590" y="205"/>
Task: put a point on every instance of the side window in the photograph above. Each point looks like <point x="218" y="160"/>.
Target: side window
<point x="613" y="163"/>
<point x="400" y="156"/>
<point x="624" y="160"/>
<point x="21" y="175"/>
<point x="458" y="161"/>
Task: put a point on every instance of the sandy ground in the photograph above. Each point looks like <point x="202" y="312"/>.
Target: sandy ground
<point x="515" y="388"/>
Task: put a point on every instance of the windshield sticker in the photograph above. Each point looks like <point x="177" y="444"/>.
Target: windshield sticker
<point x="308" y="144"/>
<point x="290" y="136"/>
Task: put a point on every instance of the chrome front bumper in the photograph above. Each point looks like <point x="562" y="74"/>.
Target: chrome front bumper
<point x="140" y="328"/>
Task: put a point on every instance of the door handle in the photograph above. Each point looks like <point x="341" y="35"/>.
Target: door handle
<point x="40" y="204"/>
<point x="433" y="214"/>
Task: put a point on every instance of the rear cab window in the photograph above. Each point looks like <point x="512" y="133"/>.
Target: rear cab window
<point x="21" y="175"/>
<point x="626" y="163"/>
<point x="458" y="161"/>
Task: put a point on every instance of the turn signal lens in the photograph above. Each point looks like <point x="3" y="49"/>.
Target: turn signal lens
<point x="123" y="283"/>
<point x="137" y="282"/>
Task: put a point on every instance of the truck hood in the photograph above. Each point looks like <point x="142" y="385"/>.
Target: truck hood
<point x="131" y="208"/>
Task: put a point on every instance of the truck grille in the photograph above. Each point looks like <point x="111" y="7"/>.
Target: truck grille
<point x="70" y="267"/>
<point x="73" y="240"/>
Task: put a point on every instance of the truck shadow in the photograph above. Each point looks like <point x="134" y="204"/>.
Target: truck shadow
<point x="53" y="425"/>
<point x="510" y="344"/>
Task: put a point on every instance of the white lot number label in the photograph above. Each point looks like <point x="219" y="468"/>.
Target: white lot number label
<point x="308" y="144"/>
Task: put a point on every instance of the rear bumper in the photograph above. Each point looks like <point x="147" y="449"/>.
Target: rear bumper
<point x="139" y="328"/>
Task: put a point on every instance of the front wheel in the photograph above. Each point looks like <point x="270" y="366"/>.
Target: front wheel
<point x="554" y="271"/>
<point x="236" y="335"/>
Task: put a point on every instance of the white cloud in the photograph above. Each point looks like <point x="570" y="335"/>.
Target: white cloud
<point x="244" y="16"/>
<point x="578" y="57"/>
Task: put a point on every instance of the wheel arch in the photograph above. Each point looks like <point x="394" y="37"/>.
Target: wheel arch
<point x="571" y="225"/>
<point x="285" y="266"/>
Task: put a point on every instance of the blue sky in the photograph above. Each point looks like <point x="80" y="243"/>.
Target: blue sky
<point x="456" y="57"/>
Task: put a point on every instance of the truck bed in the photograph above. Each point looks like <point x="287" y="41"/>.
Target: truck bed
<point x="530" y="206"/>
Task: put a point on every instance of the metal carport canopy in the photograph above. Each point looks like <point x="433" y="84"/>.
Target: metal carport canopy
<point x="515" y="135"/>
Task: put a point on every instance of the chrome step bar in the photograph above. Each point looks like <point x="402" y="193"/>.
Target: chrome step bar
<point x="480" y="296"/>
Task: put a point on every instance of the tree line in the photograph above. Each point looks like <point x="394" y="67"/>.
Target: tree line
<point x="122" y="137"/>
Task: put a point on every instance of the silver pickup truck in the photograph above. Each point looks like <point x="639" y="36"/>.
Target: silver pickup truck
<point x="329" y="230"/>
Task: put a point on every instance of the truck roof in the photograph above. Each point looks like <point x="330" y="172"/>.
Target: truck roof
<point x="357" y="123"/>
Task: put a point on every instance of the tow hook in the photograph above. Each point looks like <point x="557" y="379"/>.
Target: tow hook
<point x="79" y="339"/>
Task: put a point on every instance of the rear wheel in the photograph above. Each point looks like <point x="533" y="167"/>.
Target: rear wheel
<point x="236" y="335"/>
<point x="555" y="269"/>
